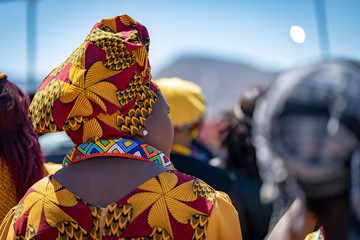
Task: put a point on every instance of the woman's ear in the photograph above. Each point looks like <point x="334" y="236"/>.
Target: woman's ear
<point x="142" y="132"/>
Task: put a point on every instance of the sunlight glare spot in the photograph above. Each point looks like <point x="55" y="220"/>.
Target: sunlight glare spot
<point x="297" y="34"/>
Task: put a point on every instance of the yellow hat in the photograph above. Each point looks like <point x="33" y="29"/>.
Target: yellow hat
<point x="186" y="100"/>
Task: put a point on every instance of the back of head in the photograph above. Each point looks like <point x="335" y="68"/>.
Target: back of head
<point x="19" y="146"/>
<point x="308" y="130"/>
<point x="246" y="105"/>
<point x="237" y="136"/>
<point x="14" y="105"/>
<point x="186" y="100"/>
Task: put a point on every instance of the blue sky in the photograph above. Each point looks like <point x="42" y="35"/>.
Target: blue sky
<point x="255" y="32"/>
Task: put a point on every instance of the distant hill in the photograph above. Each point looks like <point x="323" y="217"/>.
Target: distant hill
<point x="222" y="82"/>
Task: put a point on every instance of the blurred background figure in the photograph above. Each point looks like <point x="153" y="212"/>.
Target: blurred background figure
<point x="236" y="138"/>
<point x="21" y="161"/>
<point x="307" y="133"/>
<point x="54" y="146"/>
<point x="187" y="109"/>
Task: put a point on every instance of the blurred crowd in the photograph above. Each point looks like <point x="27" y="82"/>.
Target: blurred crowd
<point x="286" y="165"/>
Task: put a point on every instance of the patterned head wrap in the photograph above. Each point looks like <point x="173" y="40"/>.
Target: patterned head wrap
<point x="307" y="130"/>
<point x="103" y="90"/>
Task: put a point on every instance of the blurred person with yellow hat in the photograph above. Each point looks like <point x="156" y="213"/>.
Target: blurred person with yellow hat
<point x="187" y="109"/>
<point x="118" y="181"/>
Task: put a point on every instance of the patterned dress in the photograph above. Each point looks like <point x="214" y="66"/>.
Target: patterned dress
<point x="8" y="198"/>
<point x="171" y="205"/>
<point x="7" y="190"/>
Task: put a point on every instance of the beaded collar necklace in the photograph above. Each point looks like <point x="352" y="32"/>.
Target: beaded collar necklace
<point x="117" y="148"/>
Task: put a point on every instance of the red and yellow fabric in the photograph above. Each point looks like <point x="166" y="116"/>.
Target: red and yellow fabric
<point x="7" y="190"/>
<point x="103" y="89"/>
<point x="8" y="198"/>
<point x="169" y="206"/>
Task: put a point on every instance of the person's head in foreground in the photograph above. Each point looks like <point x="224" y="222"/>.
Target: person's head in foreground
<point x="117" y="182"/>
<point x="104" y="90"/>
<point x="21" y="161"/>
<point x="307" y="132"/>
<point x="187" y="103"/>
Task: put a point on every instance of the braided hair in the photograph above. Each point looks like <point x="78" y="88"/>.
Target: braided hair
<point x="19" y="146"/>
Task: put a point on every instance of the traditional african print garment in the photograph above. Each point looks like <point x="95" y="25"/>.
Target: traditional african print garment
<point x="171" y="205"/>
<point x="7" y="190"/>
<point x="8" y="198"/>
<point x="318" y="235"/>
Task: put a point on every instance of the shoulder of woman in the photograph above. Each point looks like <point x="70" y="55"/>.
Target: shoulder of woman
<point x="224" y="221"/>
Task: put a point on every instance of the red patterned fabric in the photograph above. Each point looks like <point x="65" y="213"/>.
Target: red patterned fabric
<point x="103" y="89"/>
<point x="171" y="205"/>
